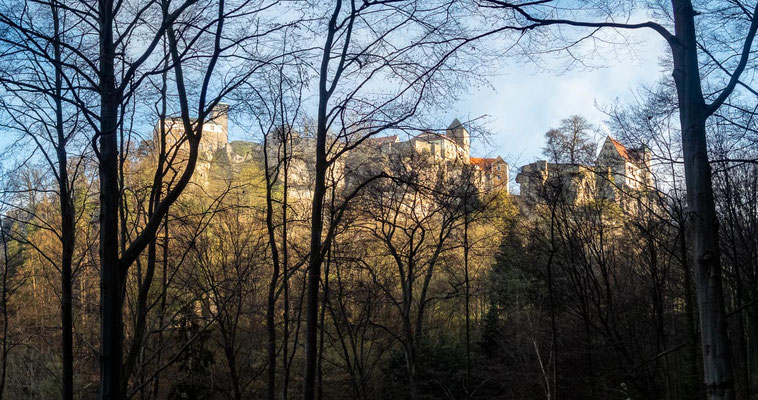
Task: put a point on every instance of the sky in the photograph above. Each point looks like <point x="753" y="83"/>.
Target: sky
<point x="524" y="101"/>
<point x="522" y="104"/>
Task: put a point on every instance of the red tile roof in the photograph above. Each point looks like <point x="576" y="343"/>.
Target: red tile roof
<point x="482" y="162"/>
<point x="621" y="149"/>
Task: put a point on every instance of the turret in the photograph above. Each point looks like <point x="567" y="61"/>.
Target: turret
<point x="461" y="137"/>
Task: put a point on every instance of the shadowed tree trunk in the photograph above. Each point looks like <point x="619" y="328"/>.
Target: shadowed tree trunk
<point x="68" y="233"/>
<point x="271" y="175"/>
<point x="4" y="305"/>
<point x="719" y="379"/>
<point x="317" y="218"/>
<point x="111" y="283"/>
<point x="114" y="266"/>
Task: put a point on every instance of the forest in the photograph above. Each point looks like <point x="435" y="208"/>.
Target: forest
<point x="199" y="200"/>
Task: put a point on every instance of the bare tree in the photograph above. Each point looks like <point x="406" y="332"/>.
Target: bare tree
<point x="38" y="105"/>
<point x="413" y="216"/>
<point x="571" y="142"/>
<point x="687" y="43"/>
<point x="365" y="43"/>
<point x="276" y="113"/>
<point x="182" y="26"/>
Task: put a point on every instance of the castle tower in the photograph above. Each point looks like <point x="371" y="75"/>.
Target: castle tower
<point x="220" y="118"/>
<point x="461" y="137"/>
<point x="219" y="114"/>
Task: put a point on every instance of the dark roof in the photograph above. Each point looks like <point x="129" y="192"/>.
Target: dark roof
<point x="378" y="141"/>
<point x="429" y="135"/>
<point x="455" y="125"/>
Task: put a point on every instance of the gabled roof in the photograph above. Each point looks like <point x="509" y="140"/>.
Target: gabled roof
<point x="623" y="152"/>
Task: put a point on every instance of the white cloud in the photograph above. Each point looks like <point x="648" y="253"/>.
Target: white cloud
<point x="523" y="104"/>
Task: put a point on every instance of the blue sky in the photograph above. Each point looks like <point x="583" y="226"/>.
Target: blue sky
<point x="522" y="104"/>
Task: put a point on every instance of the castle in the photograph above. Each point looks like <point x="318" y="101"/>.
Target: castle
<point x="215" y="130"/>
<point x="620" y="175"/>
<point x="450" y="149"/>
<point x="214" y="142"/>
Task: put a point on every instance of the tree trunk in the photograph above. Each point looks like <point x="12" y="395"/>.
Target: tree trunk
<point x="410" y="360"/>
<point x="285" y="268"/>
<point x="320" y="363"/>
<point x="317" y="218"/>
<point x="67" y="223"/>
<point x="111" y="285"/>
<point x="701" y="215"/>
<point x="4" y="304"/>
<point x="67" y="255"/>
<point x="162" y="306"/>
<point x="467" y="287"/>
<point x="314" y="266"/>
<point x="111" y="282"/>
<point x="693" y="389"/>
<point x="550" y="290"/>
<point x="271" y="300"/>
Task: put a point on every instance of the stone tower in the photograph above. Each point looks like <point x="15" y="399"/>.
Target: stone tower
<point x="219" y="127"/>
<point x="461" y="137"/>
